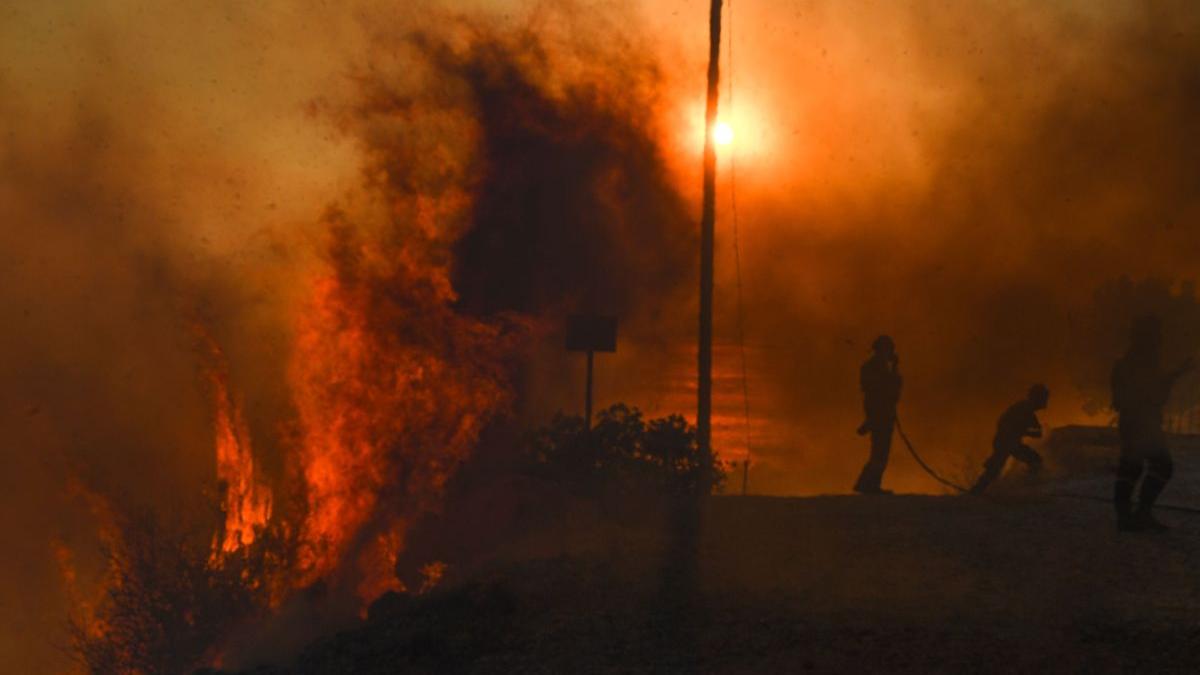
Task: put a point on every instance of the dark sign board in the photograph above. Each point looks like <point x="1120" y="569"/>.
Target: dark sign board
<point x="591" y="333"/>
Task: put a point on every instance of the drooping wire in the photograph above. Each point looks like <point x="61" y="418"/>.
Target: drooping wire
<point x="737" y="254"/>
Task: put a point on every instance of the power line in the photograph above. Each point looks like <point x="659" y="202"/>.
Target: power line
<point x="737" y="256"/>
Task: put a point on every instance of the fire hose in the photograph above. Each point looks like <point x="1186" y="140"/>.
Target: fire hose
<point x="1060" y="495"/>
<point x="928" y="469"/>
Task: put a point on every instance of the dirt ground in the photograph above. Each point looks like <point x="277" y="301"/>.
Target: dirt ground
<point x="1018" y="581"/>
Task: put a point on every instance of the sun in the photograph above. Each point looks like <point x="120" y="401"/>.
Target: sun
<point x="722" y="133"/>
<point x="741" y="132"/>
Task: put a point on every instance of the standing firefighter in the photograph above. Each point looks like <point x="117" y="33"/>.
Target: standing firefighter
<point x="1140" y="390"/>
<point x="1019" y="421"/>
<point x="880" y="381"/>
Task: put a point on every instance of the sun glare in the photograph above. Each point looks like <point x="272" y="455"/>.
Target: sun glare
<point x="744" y="129"/>
<point x="722" y="133"/>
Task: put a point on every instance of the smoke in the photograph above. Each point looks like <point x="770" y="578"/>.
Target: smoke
<point x="128" y="218"/>
<point x="97" y="373"/>
<point x="540" y="170"/>
<point x="1044" y="152"/>
<point x="574" y="203"/>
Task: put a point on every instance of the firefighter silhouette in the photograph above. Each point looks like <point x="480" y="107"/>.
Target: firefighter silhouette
<point x="1017" y="422"/>
<point x="880" y="381"/>
<point x="1140" y="390"/>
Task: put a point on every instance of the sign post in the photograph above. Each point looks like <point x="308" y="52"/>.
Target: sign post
<point x="591" y="334"/>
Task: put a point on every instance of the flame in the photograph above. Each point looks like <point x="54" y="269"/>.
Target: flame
<point x="246" y="502"/>
<point x="392" y="388"/>
<point x="431" y="575"/>
<point x="377" y="567"/>
<point x="66" y="565"/>
<point x="86" y="599"/>
<point x="84" y="608"/>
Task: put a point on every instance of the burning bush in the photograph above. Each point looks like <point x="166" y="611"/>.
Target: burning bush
<point x="171" y="598"/>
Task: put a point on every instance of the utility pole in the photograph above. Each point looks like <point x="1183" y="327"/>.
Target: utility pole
<point x="707" y="233"/>
<point x="587" y="401"/>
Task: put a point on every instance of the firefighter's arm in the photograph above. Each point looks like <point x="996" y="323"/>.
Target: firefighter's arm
<point x="1034" y="428"/>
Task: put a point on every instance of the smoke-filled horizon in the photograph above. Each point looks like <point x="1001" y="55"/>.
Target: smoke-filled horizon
<point x="965" y="179"/>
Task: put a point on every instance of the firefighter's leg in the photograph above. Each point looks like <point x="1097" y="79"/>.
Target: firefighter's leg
<point x="881" y="443"/>
<point x="1129" y="470"/>
<point x="1029" y="457"/>
<point x="1159" y="469"/>
<point x="992" y="469"/>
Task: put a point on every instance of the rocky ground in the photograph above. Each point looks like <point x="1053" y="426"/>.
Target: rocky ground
<point x="1019" y="580"/>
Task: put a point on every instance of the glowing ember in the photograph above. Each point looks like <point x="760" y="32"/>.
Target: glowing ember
<point x="431" y="576"/>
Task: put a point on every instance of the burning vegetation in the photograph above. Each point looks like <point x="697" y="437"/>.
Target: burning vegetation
<point x="492" y="203"/>
<point x="393" y="387"/>
<point x="245" y="500"/>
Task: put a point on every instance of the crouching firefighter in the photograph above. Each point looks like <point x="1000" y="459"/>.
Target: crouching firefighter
<point x="880" y="381"/>
<point x="1019" y="421"/>
<point x="1140" y="390"/>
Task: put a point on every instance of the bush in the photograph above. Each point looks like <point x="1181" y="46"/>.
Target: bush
<point x="170" y="603"/>
<point x="623" y="452"/>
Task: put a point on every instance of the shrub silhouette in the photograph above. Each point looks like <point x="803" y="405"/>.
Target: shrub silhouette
<point x="622" y="452"/>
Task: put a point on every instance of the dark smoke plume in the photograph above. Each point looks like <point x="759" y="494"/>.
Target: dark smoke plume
<point x="570" y="203"/>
